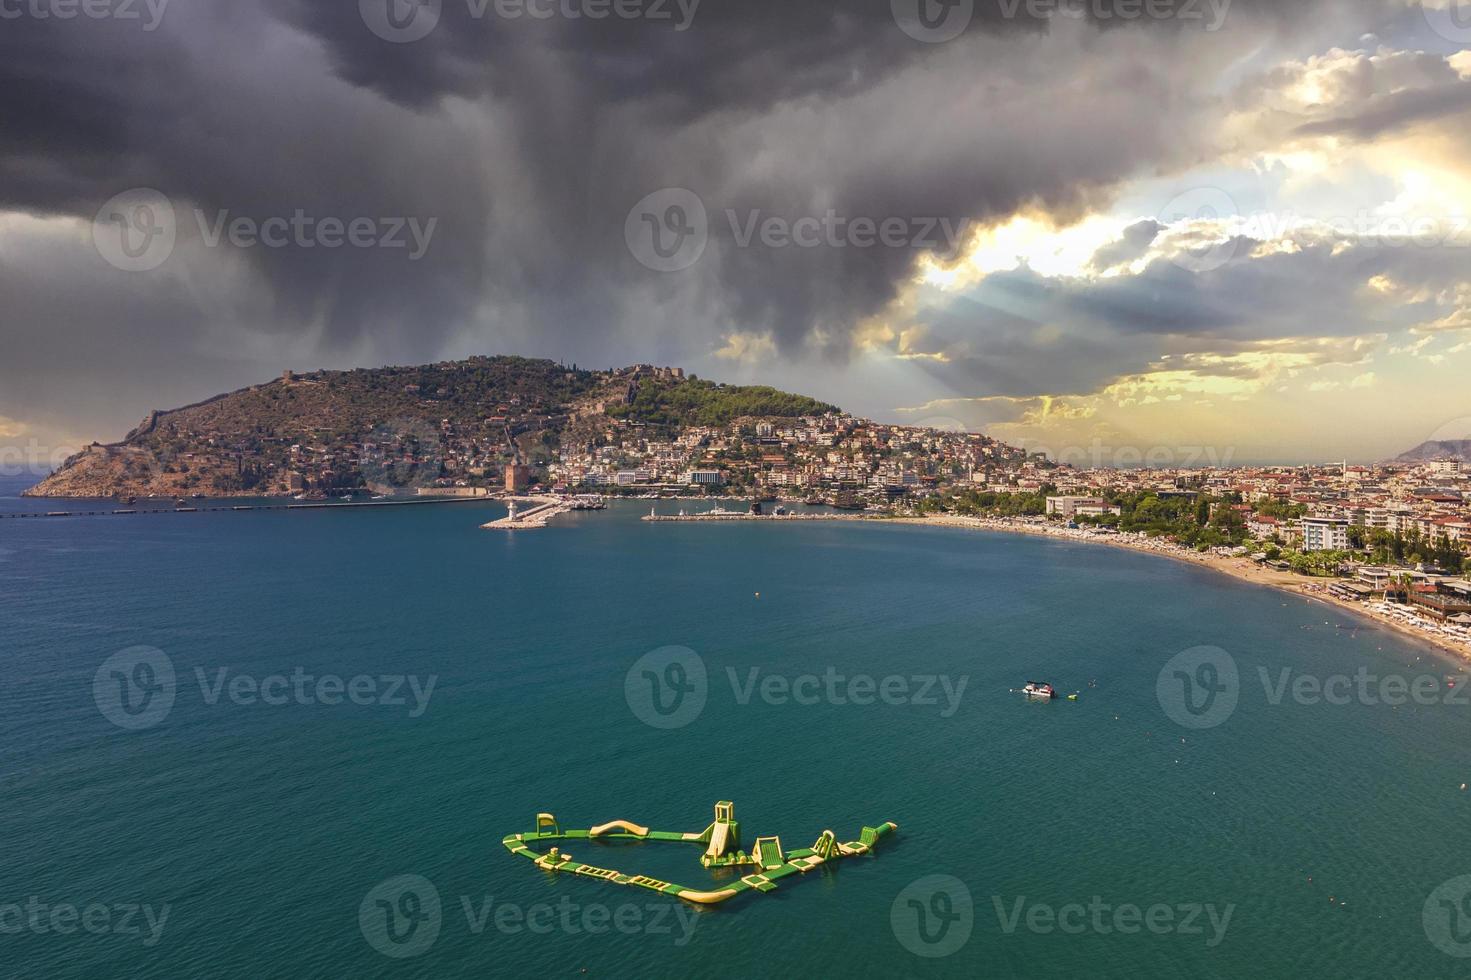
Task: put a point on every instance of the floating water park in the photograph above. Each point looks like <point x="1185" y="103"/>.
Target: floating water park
<point x="722" y="843"/>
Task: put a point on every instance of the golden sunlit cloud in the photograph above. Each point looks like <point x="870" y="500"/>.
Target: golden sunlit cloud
<point x="748" y="348"/>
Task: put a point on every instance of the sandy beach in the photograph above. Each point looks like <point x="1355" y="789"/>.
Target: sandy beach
<point x="1238" y="567"/>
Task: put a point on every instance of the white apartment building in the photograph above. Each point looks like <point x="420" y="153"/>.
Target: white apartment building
<point x="1070" y="506"/>
<point x="1324" y="534"/>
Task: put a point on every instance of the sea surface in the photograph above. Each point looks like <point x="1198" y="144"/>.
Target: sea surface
<point x="257" y="839"/>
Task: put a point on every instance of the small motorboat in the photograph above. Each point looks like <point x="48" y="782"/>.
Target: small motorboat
<point x="1037" y="689"/>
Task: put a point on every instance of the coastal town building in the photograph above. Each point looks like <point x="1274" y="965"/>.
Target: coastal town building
<point x="1324" y="534"/>
<point x="518" y="477"/>
<point x="1069" y="506"/>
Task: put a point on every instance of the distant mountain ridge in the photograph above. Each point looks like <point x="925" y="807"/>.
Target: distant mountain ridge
<point x="468" y="418"/>
<point x="1438" y="449"/>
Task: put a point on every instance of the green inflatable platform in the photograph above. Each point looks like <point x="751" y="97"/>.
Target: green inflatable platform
<point x="722" y="843"/>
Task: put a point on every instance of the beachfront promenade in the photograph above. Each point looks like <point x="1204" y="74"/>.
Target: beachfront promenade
<point x="692" y="518"/>
<point x="1446" y="638"/>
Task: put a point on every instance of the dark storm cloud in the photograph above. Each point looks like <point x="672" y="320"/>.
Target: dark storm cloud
<point x="529" y="141"/>
<point x="1397" y="111"/>
<point x="1132" y="244"/>
<point x="727" y="54"/>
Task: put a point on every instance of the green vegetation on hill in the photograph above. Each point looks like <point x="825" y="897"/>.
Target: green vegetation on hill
<point x="451" y="423"/>
<point x="696" y="402"/>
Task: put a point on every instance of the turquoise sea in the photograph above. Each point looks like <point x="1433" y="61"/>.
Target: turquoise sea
<point x="247" y="837"/>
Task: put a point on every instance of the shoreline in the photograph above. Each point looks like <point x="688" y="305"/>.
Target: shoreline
<point x="1242" y="569"/>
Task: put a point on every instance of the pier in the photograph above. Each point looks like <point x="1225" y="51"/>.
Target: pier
<point x="92" y="509"/>
<point x="541" y="510"/>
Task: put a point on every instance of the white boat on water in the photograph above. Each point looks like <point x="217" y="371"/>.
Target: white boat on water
<point x="1037" y="689"/>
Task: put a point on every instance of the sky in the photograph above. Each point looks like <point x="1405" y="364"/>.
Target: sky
<point x="1120" y="231"/>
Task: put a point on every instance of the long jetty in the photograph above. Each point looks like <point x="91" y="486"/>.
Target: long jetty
<point x="540" y="512"/>
<point x="218" y="508"/>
